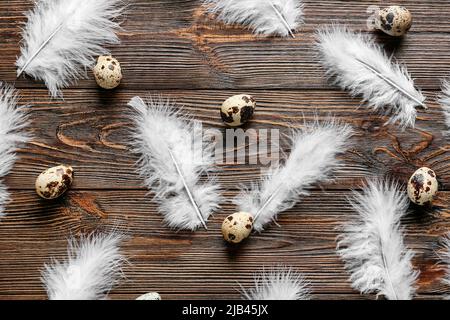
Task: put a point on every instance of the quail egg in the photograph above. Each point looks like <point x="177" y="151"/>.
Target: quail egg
<point x="394" y="20"/>
<point x="422" y="186"/>
<point x="237" y="227"/>
<point x="54" y="182"/>
<point x="237" y="110"/>
<point x="107" y="72"/>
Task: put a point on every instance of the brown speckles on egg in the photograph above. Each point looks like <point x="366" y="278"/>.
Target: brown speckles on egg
<point x="384" y="22"/>
<point x="417" y="181"/>
<point x="246" y="113"/>
<point x="246" y="98"/>
<point x="390" y="18"/>
<point x="66" y="179"/>
<point x="226" y="117"/>
<point x="52" y="185"/>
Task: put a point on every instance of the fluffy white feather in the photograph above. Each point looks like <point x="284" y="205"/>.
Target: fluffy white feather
<point x="279" y="283"/>
<point x="171" y="164"/>
<point x="445" y="102"/>
<point x="92" y="268"/>
<point x="446" y="261"/>
<point x="62" y="37"/>
<point x="372" y="244"/>
<point x="357" y="64"/>
<point x="12" y="120"/>
<point x="312" y="159"/>
<point x="267" y="17"/>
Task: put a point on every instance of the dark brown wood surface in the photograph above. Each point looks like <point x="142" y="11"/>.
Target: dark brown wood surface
<point x="172" y="47"/>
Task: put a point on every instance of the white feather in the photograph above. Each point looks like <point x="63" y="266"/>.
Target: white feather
<point x="372" y="244"/>
<point x="92" y="268"/>
<point x="62" y="37"/>
<point x="445" y="102"/>
<point x="267" y="17"/>
<point x="312" y="159"/>
<point x="357" y="64"/>
<point x="165" y="139"/>
<point x="279" y="283"/>
<point x="446" y="261"/>
<point x="12" y="120"/>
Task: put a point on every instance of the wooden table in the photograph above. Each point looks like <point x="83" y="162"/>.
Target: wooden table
<point x="171" y="47"/>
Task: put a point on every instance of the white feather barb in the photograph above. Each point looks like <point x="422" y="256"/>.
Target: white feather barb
<point x="312" y="159"/>
<point x="357" y="64"/>
<point x="266" y="17"/>
<point x="278" y="283"/>
<point x="446" y="261"/>
<point x="444" y="100"/>
<point x="174" y="157"/>
<point x="62" y="37"/>
<point x="13" y="120"/>
<point x="92" y="268"/>
<point x="372" y="245"/>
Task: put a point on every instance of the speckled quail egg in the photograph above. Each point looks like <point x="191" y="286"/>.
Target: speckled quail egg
<point x="422" y="186"/>
<point x="107" y="72"/>
<point x="237" y="110"/>
<point x="54" y="182"/>
<point x="149" y="296"/>
<point x="237" y="227"/>
<point x="394" y="20"/>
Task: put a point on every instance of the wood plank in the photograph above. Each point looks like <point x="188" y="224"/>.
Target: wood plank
<point x="173" y="48"/>
<point x="90" y="131"/>
<point x="174" y="263"/>
<point x="182" y="49"/>
<point x="162" y="15"/>
<point x="170" y="61"/>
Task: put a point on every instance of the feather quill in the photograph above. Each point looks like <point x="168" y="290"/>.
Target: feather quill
<point x="279" y="283"/>
<point x="12" y="120"/>
<point x="357" y="64"/>
<point x="312" y="159"/>
<point x="62" y="37"/>
<point x="372" y="245"/>
<point x="172" y="166"/>
<point x="92" y="268"/>
<point x="446" y="261"/>
<point x="445" y="103"/>
<point x="267" y="17"/>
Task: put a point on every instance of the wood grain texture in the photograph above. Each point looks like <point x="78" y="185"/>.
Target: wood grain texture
<point x="171" y="47"/>
<point x="183" y="264"/>
<point x="180" y="46"/>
